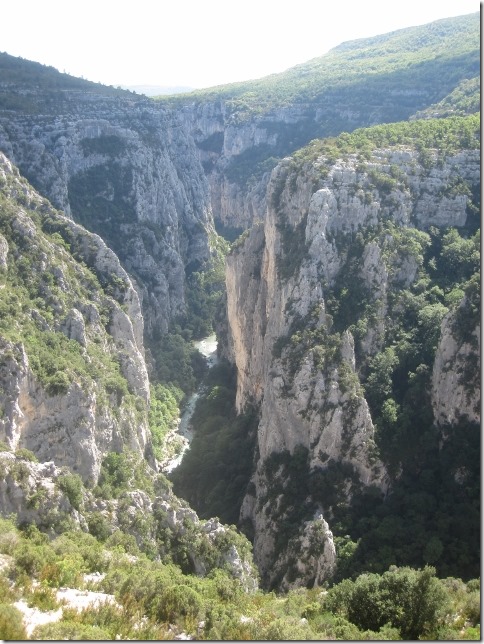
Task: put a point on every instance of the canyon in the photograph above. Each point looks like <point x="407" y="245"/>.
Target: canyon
<point x="114" y="202"/>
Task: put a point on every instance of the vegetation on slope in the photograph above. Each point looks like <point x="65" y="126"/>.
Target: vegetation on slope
<point x="31" y="88"/>
<point x="215" y="472"/>
<point x="152" y="600"/>
<point x="432" y="514"/>
<point x="383" y="79"/>
<point x="35" y="302"/>
<point x="432" y="58"/>
<point x="429" y="518"/>
<point x="443" y="136"/>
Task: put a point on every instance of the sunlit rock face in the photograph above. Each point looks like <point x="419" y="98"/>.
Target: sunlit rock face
<point x="69" y="411"/>
<point x="305" y="378"/>
<point x="455" y="377"/>
<point x="129" y="170"/>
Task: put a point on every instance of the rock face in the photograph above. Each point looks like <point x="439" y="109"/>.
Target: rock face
<point x="326" y="237"/>
<point x="243" y="130"/>
<point x="455" y="376"/>
<point x="129" y="170"/>
<point x="74" y="383"/>
<point x="298" y="364"/>
<point x="35" y="493"/>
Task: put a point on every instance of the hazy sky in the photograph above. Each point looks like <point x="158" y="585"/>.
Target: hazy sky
<point x="199" y="43"/>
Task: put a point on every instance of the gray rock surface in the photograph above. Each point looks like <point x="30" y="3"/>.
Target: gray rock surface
<point x="311" y="399"/>
<point x="129" y="170"/>
<point x="34" y="493"/>
<point x="76" y="422"/>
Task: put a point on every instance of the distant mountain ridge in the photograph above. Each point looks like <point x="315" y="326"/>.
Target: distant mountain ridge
<point x="158" y="90"/>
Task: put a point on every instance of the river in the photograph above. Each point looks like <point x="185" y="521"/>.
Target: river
<point x="184" y="431"/>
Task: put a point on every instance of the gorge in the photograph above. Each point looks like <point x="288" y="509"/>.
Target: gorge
<point x="324" y="222"/>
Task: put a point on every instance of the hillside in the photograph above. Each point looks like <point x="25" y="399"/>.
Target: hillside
<point x="101" y="156"/>
<point x="72" y="338"/>
<point x="448" y="45"/>
<point x="243" y="129"/>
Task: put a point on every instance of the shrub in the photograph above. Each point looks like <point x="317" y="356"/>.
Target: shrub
<point x="26" y="454"/>
<point x="9" y="536"/>
<point x="11" y="624"/>
<point x="64" y="572"/>
<point x="412" y="601"/>
<point x="472" y="607"/>
<point x="71" y="485"/>
<point x="77" y="543"/>
<point x="69" y="631"/>
<point x="30" y="558"/>
<point x="43" y="598"/>
<point x="99" y="526"/>
<point x="176" y="601"/>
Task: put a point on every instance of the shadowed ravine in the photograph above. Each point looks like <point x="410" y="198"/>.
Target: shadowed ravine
<point x="208" y="348"/>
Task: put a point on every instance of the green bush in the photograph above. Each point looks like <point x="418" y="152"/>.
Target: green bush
<point x="122" y="472"/>
<point x="64" y="572"/>
<point x="72" y="486"/>
<point x="413" y="601"/>
<point x="70" y="631"/>
<point x="164" y="412"/>
<point x="26" y="454"/>
<point x="43" y="598"/>
<point x="99" y="526"/>
<point x="77" y="544"/>
<point x="112" y="619"/>
<point x="30" y="558"/>
<point x="9" y="536"/>
<point x="11" y="623"/>
<point x="176" y="601"/>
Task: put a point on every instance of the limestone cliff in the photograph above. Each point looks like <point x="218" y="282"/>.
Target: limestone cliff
<point x="335" y="231"/>
<point x="128" y="170"/>
<point x="74" y="391"/>
<point x="456" y="372"/>
<point x="243" y="129"/>
<point x="74" y="383"/>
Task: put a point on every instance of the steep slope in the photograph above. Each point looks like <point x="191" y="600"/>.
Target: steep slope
<point x="335" y="308"/>
<point x="75" y="445"/>
<point x="122" y="166"/>
<point x="243" y="129"/>
<point x="74" y="379"/>
<point x="146" y="175"/>
<point x="352" y="302"/>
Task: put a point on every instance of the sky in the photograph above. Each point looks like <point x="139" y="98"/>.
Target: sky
<point x="198" y="43"/>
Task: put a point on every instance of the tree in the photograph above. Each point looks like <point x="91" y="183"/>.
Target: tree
<point x="414" y="601"/>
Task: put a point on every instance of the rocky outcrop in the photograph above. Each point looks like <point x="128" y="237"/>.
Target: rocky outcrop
<point x="311" y="555"/>
<point x="243" y="129"/>
<point x="456" y="374"/>
<point x="39" y="493"/>
<point x="292" y="361"/>
<point x="74" y="383"/>
<point x="128" y="170"/>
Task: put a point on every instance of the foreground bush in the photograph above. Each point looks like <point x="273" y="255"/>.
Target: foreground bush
<point x="11" y="625"/>
<point x="413" y="601"/>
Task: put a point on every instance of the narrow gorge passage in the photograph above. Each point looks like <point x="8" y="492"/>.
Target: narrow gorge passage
<point x="184" y="430"/>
